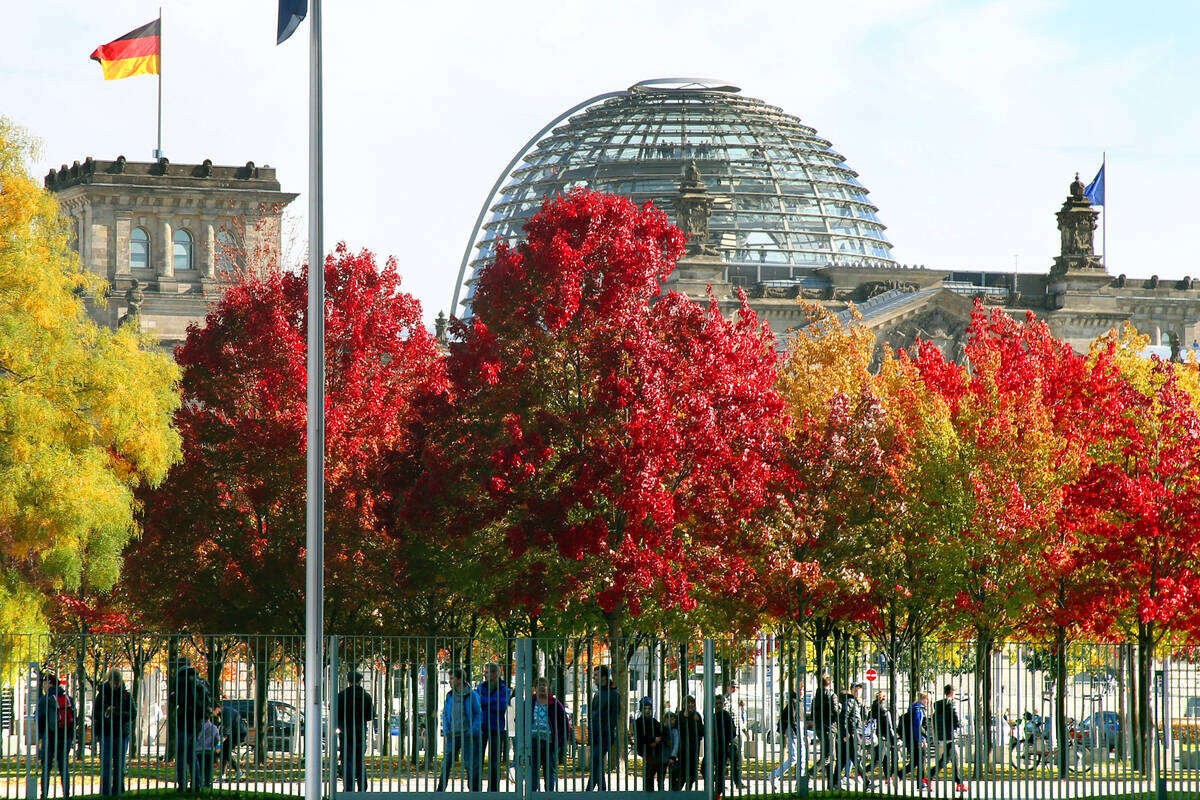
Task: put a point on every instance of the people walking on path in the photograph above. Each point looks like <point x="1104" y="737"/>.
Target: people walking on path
<point x="208" y="748"/>
<point x="691" y="738"/>
<point x="56" y="731"/>
<point x="604" y="714"/>
<point x="825" y="716"/>
<point x="850" y="728"/>
<point x="671" y="750"/>
<point x="549" y="732"/>
<point x="724" y="740"/>
<point x="789" y="727"/>
<point x="112" y="721"/>
<point x="188" y="699"/>
<point x="233" y="734"/>
<point x="355" y="709"/>
<point x="945" y="727"/>
<point x="650" y="741"/>
<point x="494" y="699"/>
<point x="885" y="750"/>
<point x="914" y="730"/>
<point x="462" y="727"/>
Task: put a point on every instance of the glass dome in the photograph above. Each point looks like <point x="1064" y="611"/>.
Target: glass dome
<point x="784" y="201"/>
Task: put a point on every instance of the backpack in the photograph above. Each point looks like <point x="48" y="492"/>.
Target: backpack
<point x="66" y="712"/>
<point x="905" y="723"/>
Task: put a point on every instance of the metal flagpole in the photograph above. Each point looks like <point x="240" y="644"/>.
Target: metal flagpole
<point x="1104" y="221"/>
<point x="158" y="150"/>
<point x="314" y="594"/>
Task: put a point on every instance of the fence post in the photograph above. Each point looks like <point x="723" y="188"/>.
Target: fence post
<point x="709" y="732"/>
<point x="521" y="746"/>
<point x="30" y="725"/>
<point x="331" y="730"/>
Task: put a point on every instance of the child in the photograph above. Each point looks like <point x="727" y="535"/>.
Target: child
<point x="671" y="751"/>
<point x="208" y="746"/>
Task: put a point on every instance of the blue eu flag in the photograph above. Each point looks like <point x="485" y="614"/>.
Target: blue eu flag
<point x="1095" y="190"/>
<point x="291" y="14"/>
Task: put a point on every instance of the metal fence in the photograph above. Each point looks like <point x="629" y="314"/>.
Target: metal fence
<point x="425" y="715"/>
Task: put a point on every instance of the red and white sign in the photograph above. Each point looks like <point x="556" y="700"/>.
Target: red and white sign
<point x="872" y="675"/>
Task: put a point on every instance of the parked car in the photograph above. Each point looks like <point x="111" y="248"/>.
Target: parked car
<point x="1102" y="729"/>
<point x="283" y="724"/>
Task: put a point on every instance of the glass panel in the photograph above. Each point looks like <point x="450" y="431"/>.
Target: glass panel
<point x="182" y="250"/>
<point x="139" y="249"/>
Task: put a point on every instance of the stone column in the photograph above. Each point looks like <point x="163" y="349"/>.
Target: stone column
<point x="124" y="227"/>
<point x="208" y="235"/>
<point x="166" y="262"/>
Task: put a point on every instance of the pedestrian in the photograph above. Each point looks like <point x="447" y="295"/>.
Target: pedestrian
<point x="233" y="734"/>
<point x="208" y="746"/>
<point x="885" y="736"/>
<point x="850" y="728"/>
<point x="549" y="732"/>
<point x="650" y="740"/>
<point x="56" y="728"/>
<point x="724" y="742"/>
<point x="825" y="717"/>
<point x="913" y="727"/>
<point x="788" y="728"/>
<point x="671" y="750"/>
<point x="462" y="726"/>
<point x="112" y="721"/>
<point x="494" y="699"/>
<point x="604" y="714"/>
<point x="188" y="699"/>
<point x="354" y="710"/>
<point x="691" y="737"/>
<point x="945" y="727"/>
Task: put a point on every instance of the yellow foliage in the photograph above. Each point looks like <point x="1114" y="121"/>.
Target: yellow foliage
<point x="825" y="358"/>
<point x="85" y="413"/>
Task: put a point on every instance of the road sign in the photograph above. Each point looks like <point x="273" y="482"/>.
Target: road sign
<point x="872" y="675"/>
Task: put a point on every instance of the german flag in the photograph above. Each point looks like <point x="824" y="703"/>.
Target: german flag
<point x="135" y="53"/>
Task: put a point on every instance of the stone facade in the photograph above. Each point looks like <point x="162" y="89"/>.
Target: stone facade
<point x="176" y="230"/>
<point x="1077" y="297"/>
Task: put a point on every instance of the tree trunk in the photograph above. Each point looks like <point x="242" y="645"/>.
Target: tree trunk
<point x="1060" y="698"/>
<point x="414" y="678"/>
<point x="431" y="686"/>
<point x="1142" y="748"/>
<point x="893" y="653"/>
<point x="620" y="670"/>
<point x="915" y="646"/>
<point x="172" y="668"/>
<point x="983" y="702"/>
<point x="262" y="681"/>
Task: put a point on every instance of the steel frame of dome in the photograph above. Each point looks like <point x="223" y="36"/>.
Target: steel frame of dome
<point x="785" y="202"/>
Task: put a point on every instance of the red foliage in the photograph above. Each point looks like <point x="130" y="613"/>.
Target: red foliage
<point x="619" y="440"/>
<point x="223" y="542"/>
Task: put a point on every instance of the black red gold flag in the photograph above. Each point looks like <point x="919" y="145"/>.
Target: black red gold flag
<point x="135" y="53"/>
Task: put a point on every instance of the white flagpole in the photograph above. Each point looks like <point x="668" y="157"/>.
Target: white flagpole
<point x="158" y="151"/>
<point x="314" y="607"/>
<point x="1104" y="221"/>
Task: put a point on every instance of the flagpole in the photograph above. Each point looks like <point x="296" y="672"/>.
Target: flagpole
<point x="1104" y="221"/>
<point x="314" y="593"/>
<point x="158" y="151"/>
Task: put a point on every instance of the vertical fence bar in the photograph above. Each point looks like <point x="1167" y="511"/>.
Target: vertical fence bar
<point x="709" y="666"/>
<point x="331" y="730"/>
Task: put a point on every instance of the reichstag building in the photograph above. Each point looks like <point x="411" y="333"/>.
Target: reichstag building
<point x="772" y="208"/>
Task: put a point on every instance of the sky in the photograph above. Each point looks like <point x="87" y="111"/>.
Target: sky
<point x="965" y="120"/>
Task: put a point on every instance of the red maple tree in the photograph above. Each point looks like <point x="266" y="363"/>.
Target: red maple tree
<point x="618" y="442"/>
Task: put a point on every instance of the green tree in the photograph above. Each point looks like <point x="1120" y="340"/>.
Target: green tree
<point x="85" y="412"/>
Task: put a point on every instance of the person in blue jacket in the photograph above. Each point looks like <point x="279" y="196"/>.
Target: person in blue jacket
<point x="462" y="724"/>
<point x="494" y="697"/>
<point x="913" y="731"/>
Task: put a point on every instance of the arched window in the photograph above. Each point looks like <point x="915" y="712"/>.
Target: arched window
<point x="226" y="255"/>
<point x="183" y="250"/>
<point x="139" y="249"/>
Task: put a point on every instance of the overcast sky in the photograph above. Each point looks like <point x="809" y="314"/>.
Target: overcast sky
<point x="965" y="120"/>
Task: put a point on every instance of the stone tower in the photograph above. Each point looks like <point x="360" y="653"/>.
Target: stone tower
<point x="1077" y="226"/>
<point x="166" y="235"/>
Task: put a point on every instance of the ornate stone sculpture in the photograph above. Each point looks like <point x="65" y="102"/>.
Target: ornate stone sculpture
<point x="439" y="327"/>
<point x="1077" y="226"/>
<point x="692" y="209"/>
<point x="134" y="297"/>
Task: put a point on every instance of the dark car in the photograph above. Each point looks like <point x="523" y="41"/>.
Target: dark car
<point x="1103" y="729"/>
<point x="281" y="723"/>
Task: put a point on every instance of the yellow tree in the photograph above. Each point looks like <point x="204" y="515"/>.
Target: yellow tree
<point x="85" y="413"/>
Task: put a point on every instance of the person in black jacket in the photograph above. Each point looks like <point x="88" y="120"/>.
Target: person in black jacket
<point x="791" y="726"/>
<point x="691" y="736"/>
<point x="112" y="721"/>
<point x="354" y="710"/>
<point x="233" y="732"/>
<point x="604" y="714"/>
<point x="825" y="716"/>
<point x="54" y="737"/>
<point x="649" y="738"/>
<point x="724" y="740"/>
<point x="945" y="727"/>
<point x="188" y="698"/>
<point x="886" y="744"/>
<point x="850" y="726"/>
